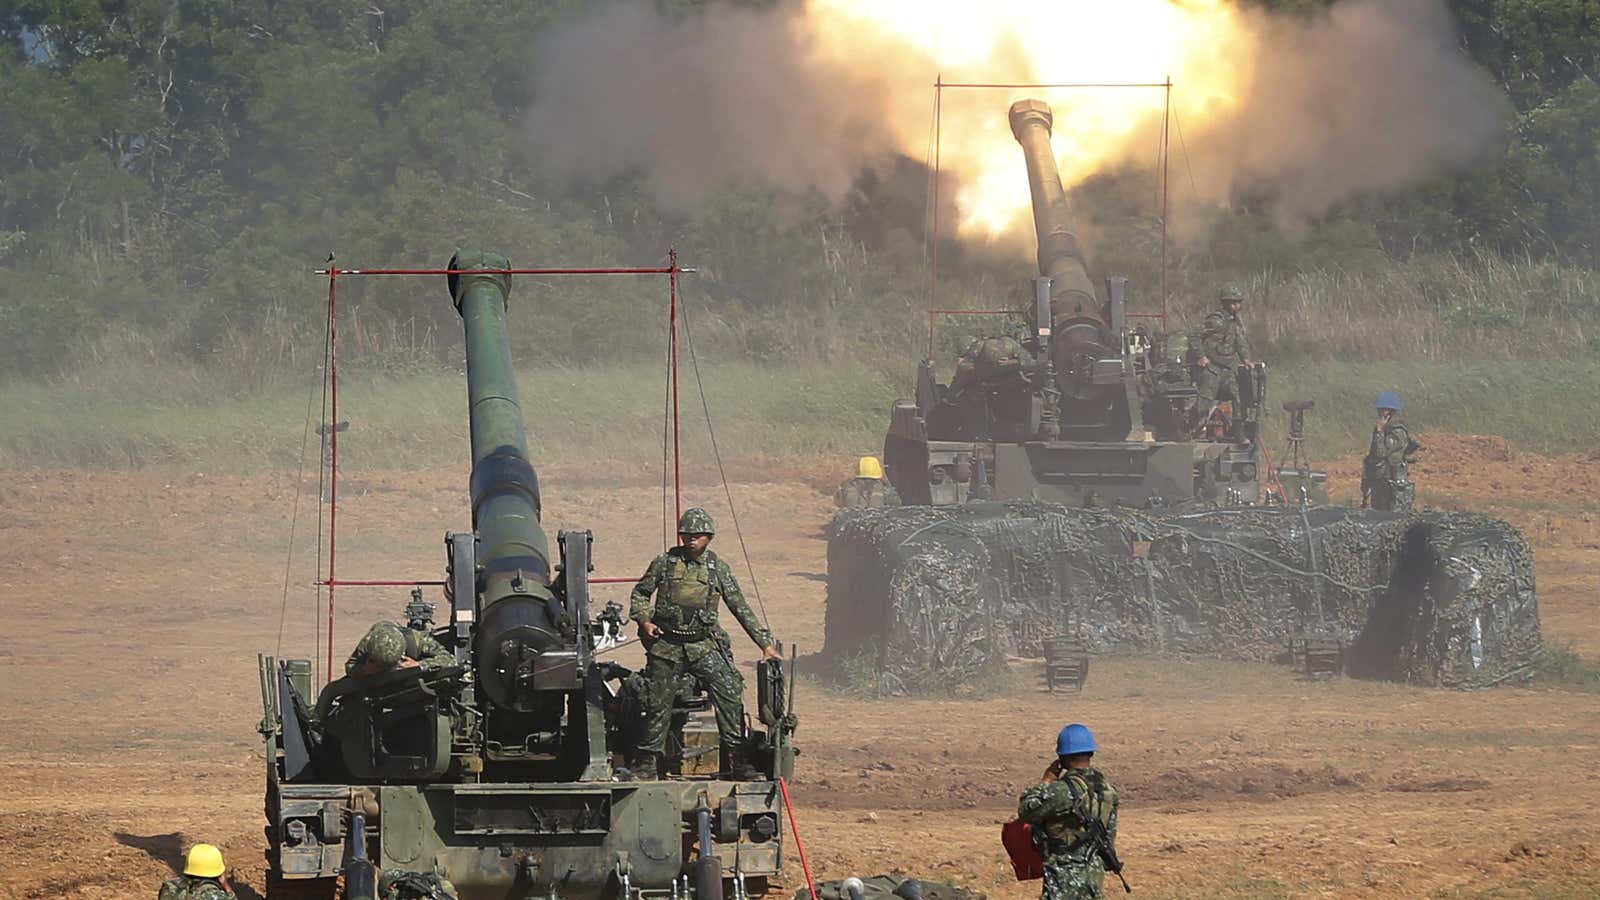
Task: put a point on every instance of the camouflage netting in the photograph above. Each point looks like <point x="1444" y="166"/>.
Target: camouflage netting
<point x="1436" y="598"/>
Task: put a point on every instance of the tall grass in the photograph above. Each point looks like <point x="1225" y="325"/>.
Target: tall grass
<point x="1474" y="344"/>
<point x="616" y="413"/>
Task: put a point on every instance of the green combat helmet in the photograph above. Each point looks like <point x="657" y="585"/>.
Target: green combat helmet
<point x="386" y="645"/>
<point x="1230" y="293"/>
<point x="696" y="521"/>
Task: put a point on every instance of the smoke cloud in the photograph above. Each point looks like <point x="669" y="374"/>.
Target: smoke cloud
<point x="727" y="95"/>
<point x="1365" y="99"/>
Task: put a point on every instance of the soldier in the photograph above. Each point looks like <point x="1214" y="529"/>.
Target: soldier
<point x="681" y="635"/>
<point x="203" y="877"/>
<point x="1223" y="349"/>
<point x="985" y="361"/>
<point x="868" y="488"/>
<point x="1073" y="812"/>
<point x="1385" y="483"/>
<point x="386" y="647"/>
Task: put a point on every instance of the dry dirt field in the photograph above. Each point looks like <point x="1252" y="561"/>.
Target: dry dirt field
<point x="135" y="604"/>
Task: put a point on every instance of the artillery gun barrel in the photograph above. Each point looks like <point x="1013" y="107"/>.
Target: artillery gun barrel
<point x="1079" y="332"/>
<point x="518" y="614"/>
<point x="1060" y="254"/>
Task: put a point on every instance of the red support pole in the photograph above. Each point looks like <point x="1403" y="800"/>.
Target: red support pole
<point x="933" y="264"/>
<point x="380" y="582"/>
<point x="613" y="270"/>
<point x="804" y="863"/>
<point x="333" y="465"/>
<point x="672" y="318"/>
<point x="1166" y="159"/>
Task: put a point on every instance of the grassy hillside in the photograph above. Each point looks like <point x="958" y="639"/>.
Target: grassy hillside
<point x="614" y="413"/>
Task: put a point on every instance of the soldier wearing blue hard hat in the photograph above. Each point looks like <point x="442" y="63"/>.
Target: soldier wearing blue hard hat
<point x="1385" y="473"/>
<point x="1073" y="814"/>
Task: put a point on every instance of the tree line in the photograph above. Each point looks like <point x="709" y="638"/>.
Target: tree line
<point x="174" y="168"/>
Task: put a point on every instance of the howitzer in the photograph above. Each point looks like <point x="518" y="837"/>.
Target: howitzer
<point x="1084" y="407"/>
<point x="494" y="777"/>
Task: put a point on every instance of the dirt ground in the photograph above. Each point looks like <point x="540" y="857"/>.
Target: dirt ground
<point x="136" y="603"/>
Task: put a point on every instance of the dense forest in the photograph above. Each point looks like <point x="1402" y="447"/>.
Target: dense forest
<point x="173" y="169"/>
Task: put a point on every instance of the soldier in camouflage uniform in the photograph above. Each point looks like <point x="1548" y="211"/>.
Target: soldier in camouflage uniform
<point x="1385" y="480"/>
<point x="681" y="635"/>
<point x="868" y="488"/>
<point x="204" y="877"/>
<point x="386" y="647"/>
<point x="1071" y="793"/>
<point x="985" y="361"/>
<point x="1223" y="349"/>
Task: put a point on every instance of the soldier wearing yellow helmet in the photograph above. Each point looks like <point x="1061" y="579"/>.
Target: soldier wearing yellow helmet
<point x="868" y="488"/>
<point x="204" y="877"/>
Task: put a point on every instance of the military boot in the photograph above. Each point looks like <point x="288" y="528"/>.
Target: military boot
<point x="737" y="765"/>
<point x="642" y="767"/>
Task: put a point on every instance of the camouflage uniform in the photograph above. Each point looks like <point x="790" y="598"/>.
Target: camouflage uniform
<point x="190" y="887"/>
<point x="1384" y="469"/>
<point x="1072" y="869"/>
<point x="417" y="644"/>
<point x="1223" y="341"/>
<point x="986" y="360"/>
<point x="688" y="592"/>
<point x="872" y="492"/>
<point x="383" y="642"/>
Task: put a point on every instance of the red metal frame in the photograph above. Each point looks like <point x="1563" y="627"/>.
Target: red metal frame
<point x="939" y="85"/>
<point x="334" y="273"/>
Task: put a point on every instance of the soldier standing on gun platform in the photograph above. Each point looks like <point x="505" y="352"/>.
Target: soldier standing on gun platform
<point x="204" y="877"/>
<point x="1385" y="481"/>
<point x="681" y="635"/>
<point x="1073" y="811"/>
<point x="1224" y="348"/>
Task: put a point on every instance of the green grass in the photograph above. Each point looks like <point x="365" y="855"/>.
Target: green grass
<point x="612" y="413"/>
<point x="155" y="414"/>
<point x="1560" y="667"/>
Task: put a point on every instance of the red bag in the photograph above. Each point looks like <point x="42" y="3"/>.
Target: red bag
<point x="1017" y="836"/>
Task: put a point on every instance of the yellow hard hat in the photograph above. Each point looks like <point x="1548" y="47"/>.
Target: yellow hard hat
<point x="869" y="468"/>
<point x="203" y="861"/>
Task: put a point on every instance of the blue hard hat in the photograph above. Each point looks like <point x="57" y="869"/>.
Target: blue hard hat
<point x="1074" y="739"/>
<point x="1388" y="400"/>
